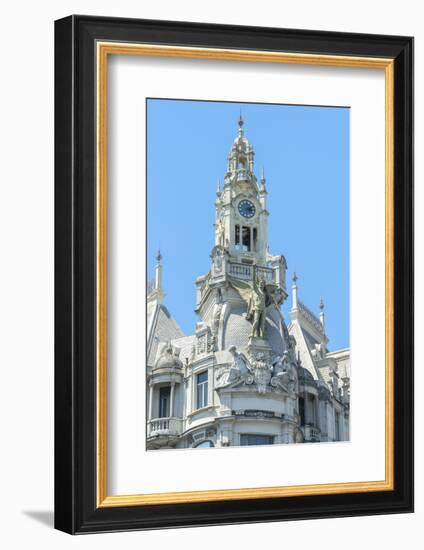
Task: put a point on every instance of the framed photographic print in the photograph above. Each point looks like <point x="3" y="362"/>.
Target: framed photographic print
<point x="234" y="274"/>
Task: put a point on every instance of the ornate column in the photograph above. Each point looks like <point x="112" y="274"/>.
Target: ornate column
<point x="150" y="400"/>
<point x="171" y="405"/>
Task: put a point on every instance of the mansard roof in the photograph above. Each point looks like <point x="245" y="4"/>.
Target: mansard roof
<point x="161" y="327"/>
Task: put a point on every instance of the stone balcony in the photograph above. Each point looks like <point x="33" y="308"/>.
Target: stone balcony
<point x="247" y="272"/>
<point x="164" y="427"/>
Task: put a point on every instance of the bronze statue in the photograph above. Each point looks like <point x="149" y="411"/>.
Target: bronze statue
<point x="256" y="309"/>
<point x="258" y="298"/>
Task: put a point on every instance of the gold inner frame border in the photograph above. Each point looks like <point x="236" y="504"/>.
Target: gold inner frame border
<point x="103" y="50"/>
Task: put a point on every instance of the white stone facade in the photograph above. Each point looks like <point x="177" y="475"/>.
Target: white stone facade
<point x="244" y="377"/>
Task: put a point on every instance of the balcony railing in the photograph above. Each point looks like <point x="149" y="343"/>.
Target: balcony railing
<point x="249" y="272"/>
<point x="311" y="433"/>
<point x="265" y="272"/>
<point x="164" y="426"/>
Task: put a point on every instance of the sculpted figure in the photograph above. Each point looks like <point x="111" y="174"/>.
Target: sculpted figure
<point x="256" y="311"/>
<point x="257" y="298"/>
<point x="285" y="373"/>
<point x="292" y="378"/>
<point x="221" y="233"/>
<point x="238" y="370"/>
<point x="240" y="362"/>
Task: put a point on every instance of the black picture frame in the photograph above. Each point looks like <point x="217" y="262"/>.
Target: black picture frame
<point x="76" y="510"/>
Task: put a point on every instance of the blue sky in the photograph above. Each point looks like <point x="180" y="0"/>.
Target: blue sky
<point x="305" y="154"/>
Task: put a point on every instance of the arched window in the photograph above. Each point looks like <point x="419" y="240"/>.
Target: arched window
<point x="237" y="235"/>
<point x="245" y="238"/>
<point x="204" y="444"/>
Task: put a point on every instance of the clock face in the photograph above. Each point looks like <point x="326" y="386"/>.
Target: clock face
<point x="246" y="208"/>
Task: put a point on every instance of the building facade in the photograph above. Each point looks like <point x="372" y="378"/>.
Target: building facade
<point x="244" y="377"/>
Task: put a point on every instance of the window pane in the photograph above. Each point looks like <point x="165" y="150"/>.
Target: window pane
<point x="302" y="411"/>
<point x="253" y="439"/>
<point x="245" y="235"/>
<point x="164" y="400"/>
<point x="202" y="389"/>
<point x="204" y="444"/>
<point x="202" y="377"/>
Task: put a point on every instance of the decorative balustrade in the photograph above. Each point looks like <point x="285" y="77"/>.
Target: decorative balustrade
<point x="164" y="426"/>
<point x="240" y="271"/>
<point x="249" y="272"/>
<point x="265" y="272"/>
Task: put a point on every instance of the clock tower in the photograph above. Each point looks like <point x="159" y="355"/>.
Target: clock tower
<point x="241" y="226"/>
<point x="241" y="217"/>
<point x="246" y="285"/>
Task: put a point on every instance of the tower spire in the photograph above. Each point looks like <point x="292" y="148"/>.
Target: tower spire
<point x="241" y="124"/>
<point x="321" y="314"/>
<point x="158" y="276"/>
<point x="294" y="291"/>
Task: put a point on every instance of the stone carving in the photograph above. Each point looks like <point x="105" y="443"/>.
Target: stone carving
<point x="345" y="390"/>
<point x="211" y="345"/>
<point x="220" y="231"/>
<point x="215" y="323"/>
<point x="218" y="261"/>
<point x="169" y="357"/>
<point x="285" y="374"/>
<point x="202" y="344"/>
<point x="261" y="371"/>
<point x="334" y="381"/>
<point x="238" y="371"/>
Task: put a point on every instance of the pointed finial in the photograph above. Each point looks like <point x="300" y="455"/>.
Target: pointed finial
<point x="240" y="123"/>
<point x="262" y="188"/>
<point x="321" y="315"/>
<point x="294" y="291"/>
<point x="218" y="188"/>
<point x="158" y="256"/>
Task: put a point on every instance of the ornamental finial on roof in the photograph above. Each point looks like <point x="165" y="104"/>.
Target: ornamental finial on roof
<point x="294" y="291"/>
<point x="158" y="256"/>
<point x="218" y="188"/>
<point x="321" y="315"/>
<point x="263" y="180"/>
<point x="240" y="123"/>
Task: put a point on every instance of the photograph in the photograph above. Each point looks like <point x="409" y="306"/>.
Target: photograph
<point x="247" y="306"/>
<point x="233" y="273"/>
